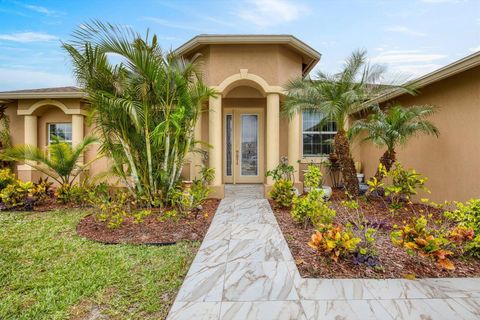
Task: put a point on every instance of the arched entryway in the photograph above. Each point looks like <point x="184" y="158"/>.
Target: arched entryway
<point x="251" y="103"/>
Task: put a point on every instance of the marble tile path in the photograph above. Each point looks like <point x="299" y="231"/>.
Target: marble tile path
<point x="244" y="270"/>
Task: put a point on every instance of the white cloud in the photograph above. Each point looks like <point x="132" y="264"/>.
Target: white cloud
<point x="41" y="9"/>
<point x="28" y="37"/>
<point x="474" y="49"/>
<point x="13" y="79"/>
<point x="264" y="13"/>
<point x="405" y="56"/>
<point x="415" y="70"/>
<point x="406" y="31"/>
<point x="408" y="63"/>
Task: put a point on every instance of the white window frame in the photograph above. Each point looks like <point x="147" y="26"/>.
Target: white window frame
<point x="49" y="141"/>
<point x="320" y="133"/>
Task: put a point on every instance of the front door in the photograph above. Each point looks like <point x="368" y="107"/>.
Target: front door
<point x="243" y="139"/>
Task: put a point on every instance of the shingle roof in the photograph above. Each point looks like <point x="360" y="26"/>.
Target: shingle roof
<point x="49" y="90"/>
<point x="45" y="93"/>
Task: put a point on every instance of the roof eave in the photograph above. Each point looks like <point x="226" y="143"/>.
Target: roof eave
<point x="42" y="95"/>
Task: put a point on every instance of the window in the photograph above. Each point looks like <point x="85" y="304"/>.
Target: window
<point x="61" y="130"/>
<point x="229" y="144"/>
<point x="317" y="138"/>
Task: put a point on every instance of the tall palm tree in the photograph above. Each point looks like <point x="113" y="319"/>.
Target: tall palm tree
<point x="337" y="96"/>
<point x="393" y="127"/>
<point x="144" y="107"/>
<point x="60" y="161"/>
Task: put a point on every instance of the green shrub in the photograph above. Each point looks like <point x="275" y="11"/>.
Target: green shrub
<point x="42" y="190"/>
<point x="200" y="189"/>
<point x="313" y="177"/>
<point x="283" y="171"/>
<point x="16" y="194"/>
<point x="189" y="198"/>
<point x="405" y="183"/>
<point x="282" y="192"/>
<point x="313" y="208"/>
<point x="472" y="247"/>
<point x="6" y="178"/>
<point x="139" y="216"/>
<point x="114" y="211"/>
<point x="466" y="214"/>
<point x="71" y="194"/>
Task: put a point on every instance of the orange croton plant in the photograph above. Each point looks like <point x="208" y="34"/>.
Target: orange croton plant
<point x="333" y="240"/>
<point x="416" y="237"/>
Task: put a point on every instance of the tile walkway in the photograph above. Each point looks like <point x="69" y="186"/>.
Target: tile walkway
<point x="244" y="270"/>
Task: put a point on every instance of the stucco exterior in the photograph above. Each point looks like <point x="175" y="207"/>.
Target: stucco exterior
<point x="451" y="161"/>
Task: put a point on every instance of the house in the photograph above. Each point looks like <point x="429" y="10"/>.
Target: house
<point x="245" y="128"/>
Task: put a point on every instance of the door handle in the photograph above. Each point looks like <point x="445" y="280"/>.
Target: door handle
<point x="237" y="156"/>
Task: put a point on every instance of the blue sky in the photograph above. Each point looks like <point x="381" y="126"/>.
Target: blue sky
<point x="411" y="37"/>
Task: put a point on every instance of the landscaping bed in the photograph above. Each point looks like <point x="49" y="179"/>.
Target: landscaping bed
<point x="153" y="229"/>
<point x="394" y="261"/>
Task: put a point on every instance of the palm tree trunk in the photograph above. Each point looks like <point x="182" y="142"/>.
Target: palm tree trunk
<point x="387" y="160"/>
<point x="347" y="166"/>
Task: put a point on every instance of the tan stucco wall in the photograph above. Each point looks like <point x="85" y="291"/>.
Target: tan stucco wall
<point x="275" y="63"/>
<point x="451" y="162"/>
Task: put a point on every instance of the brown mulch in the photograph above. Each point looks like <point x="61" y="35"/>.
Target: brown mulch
<point x="151" y="230"/>
<point x="395" y="262"/>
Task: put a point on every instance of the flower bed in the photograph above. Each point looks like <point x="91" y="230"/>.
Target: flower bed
<point x="394" y="260"/>
<point x="153" y="229"/>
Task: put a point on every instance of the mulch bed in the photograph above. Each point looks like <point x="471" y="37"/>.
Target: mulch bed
<point x="395" y="261"/>
<point x="152" y="230"/>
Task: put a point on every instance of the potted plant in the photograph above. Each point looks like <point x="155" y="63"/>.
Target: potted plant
<point x="313" y="179"/>
<point x="358" y="168"/>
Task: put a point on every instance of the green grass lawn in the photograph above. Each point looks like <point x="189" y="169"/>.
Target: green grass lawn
<point x="48" y="272"/>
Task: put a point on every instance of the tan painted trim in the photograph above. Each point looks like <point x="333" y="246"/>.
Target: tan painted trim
<point x="50" y="102"/>
<point x="244" y="75"/>
<point x="300" y="46"/>
<point x="43" y="95"/>
<point x="452" y="69"/>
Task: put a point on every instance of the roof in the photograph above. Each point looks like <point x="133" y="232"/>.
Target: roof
<point x="56" y="92"/>
<point x="309" y="55"/>
<point x="447" y="71"/>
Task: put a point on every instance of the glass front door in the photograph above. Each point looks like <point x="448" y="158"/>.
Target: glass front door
<point x="243" y="146"/>
<point x="249" y="144"/>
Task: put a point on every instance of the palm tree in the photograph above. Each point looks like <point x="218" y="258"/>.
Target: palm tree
<point x="394" y="127"/>
<point x="337" y="96"/>
<point x="144" y="107"/>
<point x="60" y="161"/>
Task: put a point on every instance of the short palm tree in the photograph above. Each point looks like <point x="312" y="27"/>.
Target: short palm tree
<point x="337" y="96"/>
<point x="60" y="161"/>
<point x="393" y="127"/>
